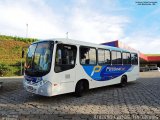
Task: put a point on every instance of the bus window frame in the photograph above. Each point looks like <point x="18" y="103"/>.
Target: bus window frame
<point x="101" y="64"/>
<point x="81" y="46"/>
<point x="116" y="57"/>
<point x="64" y="64"/>
<point x="130" y="58"/>
<point x="137" y="59"/>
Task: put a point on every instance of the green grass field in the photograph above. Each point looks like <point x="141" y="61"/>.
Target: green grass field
<point x="11" y="51"/>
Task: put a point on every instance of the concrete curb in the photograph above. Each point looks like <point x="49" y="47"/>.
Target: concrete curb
<point x="11" y="77"/>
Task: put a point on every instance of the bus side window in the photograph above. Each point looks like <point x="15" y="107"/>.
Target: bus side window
<point x="134" y="59"/>
<point x="87" y="55"/>
<point x="119" y="58"/>
<point x="104" y="56"/>
<point x="116" y="57"/>
<point x="59" y="56"/>
<point x="65" y="57"/>
<point x="126" y="58"/>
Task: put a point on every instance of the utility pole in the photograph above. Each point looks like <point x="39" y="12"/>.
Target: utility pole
<point x="23" y="50"/>
<point x="21" y="61"/>
<point x="21" y="67"/>
<point x="26" y="30"/>
<point x="67" y="35"/>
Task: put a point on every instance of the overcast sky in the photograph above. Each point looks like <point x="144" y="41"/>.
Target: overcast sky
<point x="95" y="21"/>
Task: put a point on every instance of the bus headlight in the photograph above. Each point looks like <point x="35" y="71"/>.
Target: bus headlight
<point x="45" y="89"/>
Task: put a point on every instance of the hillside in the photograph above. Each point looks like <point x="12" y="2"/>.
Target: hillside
<point x="10" y="52"/>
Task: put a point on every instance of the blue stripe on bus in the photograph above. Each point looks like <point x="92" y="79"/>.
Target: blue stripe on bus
<point x="103" y="73"/>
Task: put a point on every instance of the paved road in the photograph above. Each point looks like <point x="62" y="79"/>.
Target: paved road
<point x="139" y="100"/>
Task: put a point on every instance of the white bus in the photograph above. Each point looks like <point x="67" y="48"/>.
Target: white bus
<point x="59" y="66"/>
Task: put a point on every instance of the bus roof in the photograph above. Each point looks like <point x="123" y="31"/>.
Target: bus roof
<point x="77" y="42"/>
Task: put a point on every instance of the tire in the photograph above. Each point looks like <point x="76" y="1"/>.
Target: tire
<point x="1" y="85"/>
<point x="79" y="89"/>
<point x="123" y="81"/>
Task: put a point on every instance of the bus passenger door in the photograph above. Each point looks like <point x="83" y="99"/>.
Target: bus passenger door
<point x="65" y="62"/>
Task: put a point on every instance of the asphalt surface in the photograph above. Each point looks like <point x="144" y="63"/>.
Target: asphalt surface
<point x="138" y="100"/>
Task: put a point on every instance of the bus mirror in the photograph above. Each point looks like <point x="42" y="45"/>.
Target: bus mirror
<point x="22" y="53"/>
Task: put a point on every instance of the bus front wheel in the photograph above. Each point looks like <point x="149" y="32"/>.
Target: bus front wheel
<point x="123" y="81"/>
<point x="79" y="89"/>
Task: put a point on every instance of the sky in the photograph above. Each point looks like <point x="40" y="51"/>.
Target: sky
<point x="95" y="21"/>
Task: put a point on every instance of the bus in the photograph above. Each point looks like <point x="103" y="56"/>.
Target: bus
<point x="59" y="66"/>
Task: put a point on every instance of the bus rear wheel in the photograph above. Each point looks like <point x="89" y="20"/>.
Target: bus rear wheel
<point x="123" y="81"/>
<point x="79" y="89"/>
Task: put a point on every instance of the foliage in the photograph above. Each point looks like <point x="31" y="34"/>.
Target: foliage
<point x="27" y="40"/>
<point x="10" y="54"/>
<point x="4" y="69"/>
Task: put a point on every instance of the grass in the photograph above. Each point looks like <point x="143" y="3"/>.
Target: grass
<point x="14" y="71"/>
<point x="11" y="51"/>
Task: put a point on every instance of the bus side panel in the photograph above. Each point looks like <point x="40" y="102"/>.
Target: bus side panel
<point x="66" y="82"/>
<point x="107" y="75"/>
<point x="81" y="74"/>
<point x="134" y="74"/>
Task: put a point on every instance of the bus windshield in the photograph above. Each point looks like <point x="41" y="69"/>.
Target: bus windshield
<point x="39" y="58"/>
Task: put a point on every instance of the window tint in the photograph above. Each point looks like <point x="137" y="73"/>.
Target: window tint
<point x="87" y="55"/>
<point x="116" y="57"/>
<point x="126" y="58"/>
<point x="119" y="58"/>
<point x="107" y="57"/>
<point x="134" y="59"/>
<point x="65" y="57"/>
<point x="103" y="56"/>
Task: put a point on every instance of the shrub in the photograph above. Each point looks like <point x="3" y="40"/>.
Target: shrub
<point x="16" y="38"/>
<point x="4" y="69"/>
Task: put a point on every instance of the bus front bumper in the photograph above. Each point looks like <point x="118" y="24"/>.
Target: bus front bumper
<point x="44" y="89"/>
